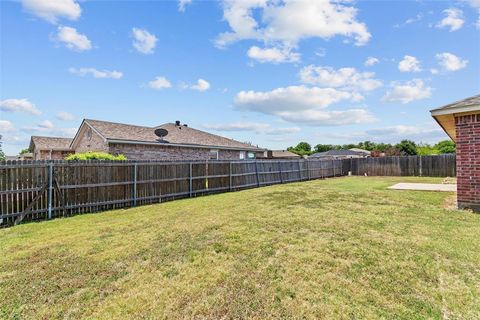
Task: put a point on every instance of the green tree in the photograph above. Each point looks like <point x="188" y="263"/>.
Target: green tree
<point x="347" y="146"/>
<point x="302" y="148"/>
<point x="23" y="151"/>
<point x="2" y="154"/>
<point x="407" y="147"/>
<point x="326" y="147"/>
<point x="446" y="146"/>
<point x="424" y="149"/>
<point x="382" y="147"/>
<point x="367" y="145"/>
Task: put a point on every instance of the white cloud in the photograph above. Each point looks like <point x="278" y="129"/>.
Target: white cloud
<point x="293" y="98"/>
<point x="274" y="55"/>
<point x="409" y="64"/>
<point x="52" y="10"/>
<point x="348" y="78"/>
<point x="473" y="3"/>
<point x="6" y="126"/>
<point x="434" y="71"/>
<point x="407" y="92"/>
<point x="182" y="4"/>
<point x="159" y="83"/>
<point x="19" y="105"/>
<point x="394" y="134"/>
<point x="300" y="104"/>
<point x="65" y="116"/>
<point x="450" y="62"/>
<point x="260" y="128"/>
<point x="371" y="61"/>
<point x="47" y="124"/>
<point x="453" y="19"/>
<point x="417" y="18"/>
<point x="201" y="85"/>
<point x="329" y="118"/>
<point x="72" y="39"/>
<point x="144" y="41"/>
<point x="402" y="131"/>
<point x="48" y="128"/>
<point x="96" y="73"/>
<point x="278" y="21"/>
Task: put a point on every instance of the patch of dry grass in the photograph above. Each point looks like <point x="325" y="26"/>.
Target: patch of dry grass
<point x="338" y="248"/>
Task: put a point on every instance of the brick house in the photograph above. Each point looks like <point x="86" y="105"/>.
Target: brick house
<point x="177" y="142"/>
<point x="50" y="148"/>
<point x="461" y="121"/>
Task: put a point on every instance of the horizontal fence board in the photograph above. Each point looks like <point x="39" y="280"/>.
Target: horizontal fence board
<point x="92" y="186"/>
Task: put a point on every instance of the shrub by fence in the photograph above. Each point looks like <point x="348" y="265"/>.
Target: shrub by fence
<point x="37" y="190"/>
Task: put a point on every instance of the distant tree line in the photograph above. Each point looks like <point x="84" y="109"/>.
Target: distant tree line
<point x="404" y="147"/>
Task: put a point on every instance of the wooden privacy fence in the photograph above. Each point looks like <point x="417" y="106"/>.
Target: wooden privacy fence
<point x="37" y="190"/>
<point x="430" y="166"/>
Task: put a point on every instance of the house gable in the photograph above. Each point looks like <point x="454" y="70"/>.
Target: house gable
<point x="88" y="139"/>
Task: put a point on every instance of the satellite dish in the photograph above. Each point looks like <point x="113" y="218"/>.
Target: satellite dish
<point x="161" y="133"/>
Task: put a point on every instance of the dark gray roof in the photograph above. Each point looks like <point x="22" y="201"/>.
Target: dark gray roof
<point x="176" y="135"/>
<point x="333" y="153"/>
<point x="468" y="102"/>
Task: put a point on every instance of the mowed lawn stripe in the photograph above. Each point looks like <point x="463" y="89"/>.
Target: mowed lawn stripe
<point x="336" y="248"/>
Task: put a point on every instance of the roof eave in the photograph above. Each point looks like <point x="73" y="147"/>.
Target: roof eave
<point x="455" y="110"/>
<point x="122" y="141"/>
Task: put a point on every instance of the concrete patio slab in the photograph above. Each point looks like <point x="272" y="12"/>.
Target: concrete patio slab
<point x="425" y="187"/>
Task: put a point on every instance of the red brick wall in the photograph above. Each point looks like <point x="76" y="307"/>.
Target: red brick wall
<point x="170" y="153"/>
<point x="53" y="155"/>
<point x="90" y="142"/>
<point x="468" y="161"/>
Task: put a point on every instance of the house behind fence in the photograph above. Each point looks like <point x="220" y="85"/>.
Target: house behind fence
<point x="38" y="190"/>
<point x="167" y="142"/>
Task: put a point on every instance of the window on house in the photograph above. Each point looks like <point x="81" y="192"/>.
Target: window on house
<point x="89" y="134"/>
<point x="251" y="155"/>
<point x="213" y="155"/>
<point x="242" y="155"/>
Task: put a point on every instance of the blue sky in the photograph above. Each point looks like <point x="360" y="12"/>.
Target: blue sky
<point x="269" y="72"/>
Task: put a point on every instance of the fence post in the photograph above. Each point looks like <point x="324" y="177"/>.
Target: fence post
<point x="135" y="184"/>
<point x="50" y="189"/>
<point x="230" y="176"/>
<point x="256" y="171"/>
<point x="308" y="169"/>
<point x="190" y="180"/>
<point x="280" y="169"/>
<point x="206" y="175"/>
<point x="420" y="166"/>
<point x="299" y="171"/>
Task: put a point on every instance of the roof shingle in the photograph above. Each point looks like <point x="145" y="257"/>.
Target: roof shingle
<point x="176" y="135"/>
<point x="468" y="102"/>
<point x="50" y="143"/>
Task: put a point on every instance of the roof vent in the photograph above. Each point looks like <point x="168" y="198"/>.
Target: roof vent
<point x="177" y="123"/>
<point x="185" y="125"/>
<point x="161" y="133"/>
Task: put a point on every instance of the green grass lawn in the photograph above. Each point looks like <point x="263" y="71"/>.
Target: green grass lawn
<point x="337" y="248"/>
